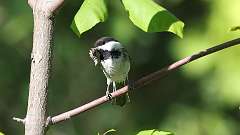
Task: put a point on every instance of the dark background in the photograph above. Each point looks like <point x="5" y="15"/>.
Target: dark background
<point x="201" y="98"/>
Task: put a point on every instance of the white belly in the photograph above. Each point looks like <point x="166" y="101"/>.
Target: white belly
<point x="116" y="69"/>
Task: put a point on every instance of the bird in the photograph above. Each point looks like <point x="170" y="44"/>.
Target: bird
<point x="114" y="61"/>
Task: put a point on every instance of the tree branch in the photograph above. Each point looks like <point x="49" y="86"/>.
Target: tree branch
<point x="43" y="14"/>
<point x="19" y="120"/>
<point x="142" y="81"/>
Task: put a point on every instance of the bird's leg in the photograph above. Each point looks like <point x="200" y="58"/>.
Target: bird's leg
<point x="108" y="94"/>
<point x="114" y="86"/>
<point x="114" y="89"/>
<point x="108" y="85"/>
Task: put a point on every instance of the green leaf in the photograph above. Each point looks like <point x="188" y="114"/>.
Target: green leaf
<point x="151" y="17"/>
<point x="90" y="13"/>
<point x="1" y="133"/>
<point x="154" y="132"/>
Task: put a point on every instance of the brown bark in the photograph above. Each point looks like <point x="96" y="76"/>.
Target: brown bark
<point x="43" y="14"/>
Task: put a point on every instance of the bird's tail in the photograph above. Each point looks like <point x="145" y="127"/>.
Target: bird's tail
<point x="123" y="99"/>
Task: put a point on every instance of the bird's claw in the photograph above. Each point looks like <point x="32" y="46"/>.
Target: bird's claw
<point x="109" y="96"/>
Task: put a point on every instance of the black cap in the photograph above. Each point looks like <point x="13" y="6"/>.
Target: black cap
<point x="103" y="40"/>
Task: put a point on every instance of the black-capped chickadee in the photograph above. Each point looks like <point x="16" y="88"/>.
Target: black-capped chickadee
<point x="114" y="60"/>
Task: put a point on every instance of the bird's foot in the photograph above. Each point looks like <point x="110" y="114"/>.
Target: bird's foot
<point x="108" y="95"/>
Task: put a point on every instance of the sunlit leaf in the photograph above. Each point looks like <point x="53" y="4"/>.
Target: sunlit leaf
<point x="1" y="133"/>
<point x="154" y="132"/>
<point x="90" y="13"/>
<point x="151" y="17"/>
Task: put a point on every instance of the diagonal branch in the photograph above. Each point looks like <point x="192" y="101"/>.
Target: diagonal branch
<point x="142" y="81"/>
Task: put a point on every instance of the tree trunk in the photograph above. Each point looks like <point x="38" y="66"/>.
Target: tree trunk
<point x="41" y="56"/>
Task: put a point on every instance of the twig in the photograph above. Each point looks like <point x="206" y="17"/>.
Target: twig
<point x="142" y="81"/>
<point x="19" y="120"/>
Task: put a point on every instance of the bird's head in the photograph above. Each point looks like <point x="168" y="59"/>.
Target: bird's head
<point x="108" y="44"/>
<point x="105" y="47"/>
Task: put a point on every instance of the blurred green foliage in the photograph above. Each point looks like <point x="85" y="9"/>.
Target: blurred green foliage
<point x="109" y="132"/>
<point x="200" y="98"/>
<point x="154" y="132"/>
<point x="221" y="71"/>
